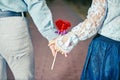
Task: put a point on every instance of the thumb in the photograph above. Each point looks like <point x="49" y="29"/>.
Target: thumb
<point x="53" y="50"/>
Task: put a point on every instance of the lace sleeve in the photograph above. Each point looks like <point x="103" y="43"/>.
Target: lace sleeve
<point x="84" y="30"/>
<point x="95" y="17"/>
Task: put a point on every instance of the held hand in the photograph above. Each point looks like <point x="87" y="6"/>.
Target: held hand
<point x="62" y="44"/>
<point x="65" y="43"/>
<point x="54" y="53"/>
<point x="55" y="49"/>
<point x="52" y="48"/>
<point x="62" y="27"/>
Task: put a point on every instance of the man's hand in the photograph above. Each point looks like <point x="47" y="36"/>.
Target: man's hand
<point x="55" y="49"/>
<point x="52" y="48"/>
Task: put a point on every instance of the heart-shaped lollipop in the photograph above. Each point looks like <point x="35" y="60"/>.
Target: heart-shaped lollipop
<point x="62" y="26"/>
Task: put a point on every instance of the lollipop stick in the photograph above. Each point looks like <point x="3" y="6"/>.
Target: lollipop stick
<point x="53" y="62"/>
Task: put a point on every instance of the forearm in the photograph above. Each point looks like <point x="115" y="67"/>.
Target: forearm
<point x="42" y="18"/>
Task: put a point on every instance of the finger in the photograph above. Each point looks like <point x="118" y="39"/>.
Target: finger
<point x="53" y="50"/>
<point x="62" y="52"/>
<point x="51" y="43"/>
<point x="66" y="55"/>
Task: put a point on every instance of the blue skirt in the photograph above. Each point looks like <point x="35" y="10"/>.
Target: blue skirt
<point x="103" y="60"/>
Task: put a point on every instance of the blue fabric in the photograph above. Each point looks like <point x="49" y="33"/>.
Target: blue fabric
<point x="103" y="60"/>
<point x="39" y="12"/>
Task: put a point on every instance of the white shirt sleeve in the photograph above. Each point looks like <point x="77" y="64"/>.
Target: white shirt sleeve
<point x="42" y="18"/>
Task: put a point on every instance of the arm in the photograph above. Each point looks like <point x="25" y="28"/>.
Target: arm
<point x="95" y="18"/>
<point x="42" y="18"/>
<point x="85" y="29"/>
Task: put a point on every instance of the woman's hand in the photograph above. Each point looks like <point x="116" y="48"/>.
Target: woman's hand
<point x="63" y="44"/>
<point x="55" y="48"/>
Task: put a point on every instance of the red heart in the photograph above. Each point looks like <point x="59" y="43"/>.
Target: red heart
<point x="62" y="25"/>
